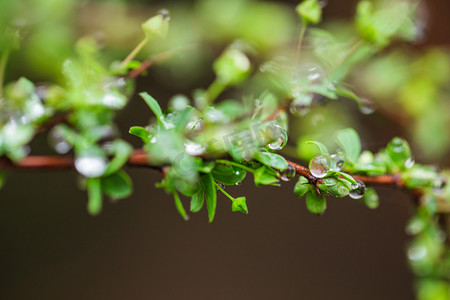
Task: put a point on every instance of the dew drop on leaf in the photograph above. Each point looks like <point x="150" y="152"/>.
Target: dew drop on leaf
<point x="288" y="174"/>
<point x="281" y="141"/>
<point x="320" y="165"/>
<point x="57" y="142"/>
<point x="358" y="190"/>
<point x="338" y="162"/>
<point x="366" y="106"/>
<point x="193" y="148"/>
<point x="409" y="163"/>
<point x="90" y="165"/>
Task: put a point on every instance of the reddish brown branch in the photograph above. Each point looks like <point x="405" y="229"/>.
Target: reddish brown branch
<point x="37" y="162"/>
<point x="279" y="110"/>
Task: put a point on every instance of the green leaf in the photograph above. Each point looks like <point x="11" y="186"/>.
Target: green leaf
<point x="156" y="27"/>
<point x="316" y="203"/>
<point x="370" y="198"/>
<point x="153" y="104"/>
<point x="345" y="175"/>
<point x="140" y="132"/>
<point x="339" y="189"/>
<point x="239" y="205"/>
<point x="229" y="175"/>
<point x="117" y="185"/>
<point x="265" y="176"/>
<point x="301" y="187"/>
<point x="207" y="185"/>
<point x="310" y="11"/>
<point x="322" y="148"/>
<point x="122" y="152"/>
<point x="94" y="189"/>
<point x="197" y="200"/>
<point x="272" y="160"/>
<point x="179" y="206"/>
<point x="348" y="140"/>
<point x="399" y="152"/>
<point x="2" y="179"/>
<point x="232" y="67"/>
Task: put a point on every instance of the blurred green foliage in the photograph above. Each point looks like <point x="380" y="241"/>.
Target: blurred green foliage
<point x="269" y="64"/>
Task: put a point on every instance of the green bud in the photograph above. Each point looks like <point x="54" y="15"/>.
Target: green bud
<point x="156" y="27"/>
<point x="232" y="67"/>
<point x="399" y="152"/>
<point x="239" y="205"/>
<point x="310" y="11"/>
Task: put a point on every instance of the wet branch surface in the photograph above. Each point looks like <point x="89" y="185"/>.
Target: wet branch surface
<point x="139" y="159"/>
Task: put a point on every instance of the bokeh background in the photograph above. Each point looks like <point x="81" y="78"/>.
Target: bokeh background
<point x="139" y="248"/>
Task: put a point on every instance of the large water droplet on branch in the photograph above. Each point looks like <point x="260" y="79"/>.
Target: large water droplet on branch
<point x="288" y="174"/>
<point x="90" y="165"/>
<point x="358" y="190"/>
<point x="281" y="141"/>
<point x="320" y="165"/>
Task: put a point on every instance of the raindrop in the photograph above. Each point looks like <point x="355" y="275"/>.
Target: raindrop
<point x="416" y="253"/>
<point x="114" y="100"/>
<point x="57" y="141"/>
<point x="323" y="3"/>
<point x="239" y="183"/>
<point x="409" y="163"/>
<point x="281" y="141"/>
<point x="301" y="105"/>
<point x="179" y="102"/>
<point x="165" y="14"/>
<point x="320" y="165"/>
<point x="90" y="165"/>
<point x="338" y="162"/>
<point x="193" y="148"/>
<point x="366" y="106"/>
<point x="288" y="174"/>
<point x="358" y="190"/>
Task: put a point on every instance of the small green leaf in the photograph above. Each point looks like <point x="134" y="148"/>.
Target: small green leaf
<point x="153" y="104"/>
<point x="94" y="189"/>
<point x="140" y="132"/>
<point x="399" y="152"/>
<point x="338" y="190"/>
<point x="265" y="176"/>
<point x="207" y="185"/>
<point x="122" y="152"/>
<point x="197" y="201"/>
<point x="301" y="187"/>
<point x="179" y="206"/>
<point x="310" y="11"/>
<point x="272" y="160"/>
<point x="239" y="205"/>
<point x="348" y="140"/>
<point x="117" y="185"/>
<point x="345" y="175"/>
<point x="322" y="148"/>
<point x="229" y="175"/>
<point x="316" y="203"/>
<point x="232" y="67"/>
<point x="370" y="198"/>
<point x="156" y="27"/>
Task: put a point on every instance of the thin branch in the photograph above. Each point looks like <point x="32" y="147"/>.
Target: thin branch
<point x="38" y="162"/>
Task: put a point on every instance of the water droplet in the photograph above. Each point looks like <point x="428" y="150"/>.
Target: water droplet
<point x="239" y="183"/>
<point x="323" y="3"/>
<point x="358" y="190"/>
<point x="288" y="174"/>
<point x="114" y="100"/>
<point x="320" y="165"/>
<point x="281" y="141"/>
<point x="301" y="105"/>
<point x="179" y="102"/>
<point x="214" y="115"/>
<point x="338" y="162"/>
<point x="366" y="106"/>
<point x="90" y="165"/>
<point x="409" y="163"/>
<point x="193" y="148"/>
<point x="57" y="141"/>
<point x="165" y="14"/>
<point x="416" y="253"/>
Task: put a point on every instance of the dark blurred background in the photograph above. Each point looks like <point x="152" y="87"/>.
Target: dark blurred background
<point x="139" y="248"/>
